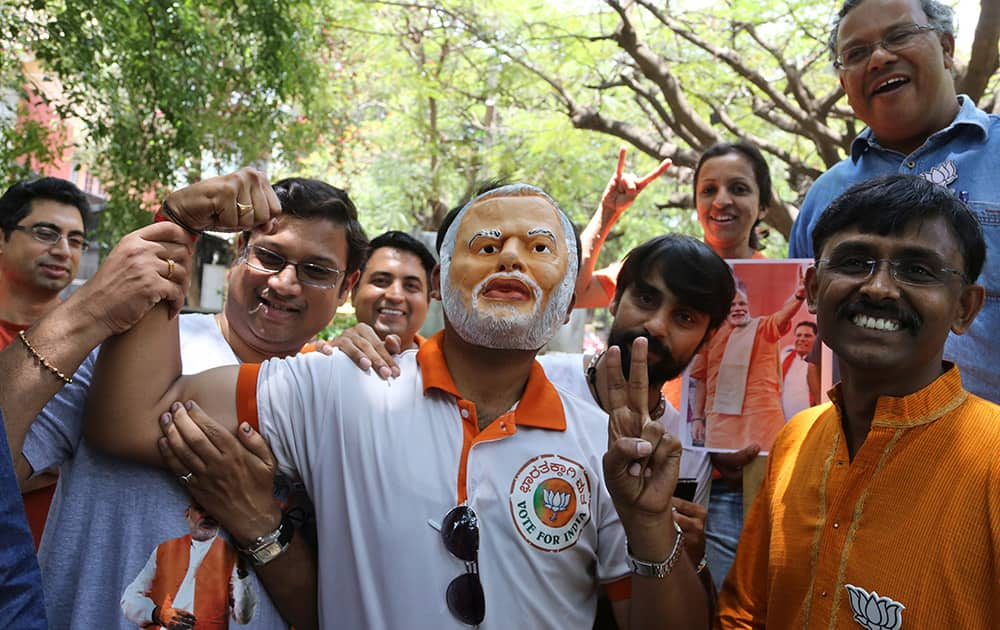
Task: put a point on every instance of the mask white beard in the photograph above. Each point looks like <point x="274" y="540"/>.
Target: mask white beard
<point x="500" y="326"/>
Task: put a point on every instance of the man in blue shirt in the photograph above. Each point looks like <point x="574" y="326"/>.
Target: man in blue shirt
<point x="21" y="605"/>
<point x="894" y="59"/>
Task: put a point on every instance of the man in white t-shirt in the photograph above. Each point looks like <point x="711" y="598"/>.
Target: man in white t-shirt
<point x="110" y="514"/>
<point x="543" y="512"/>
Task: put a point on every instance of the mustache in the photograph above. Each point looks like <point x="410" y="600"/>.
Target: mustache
<point x="515" y="275"/>
<point x="882" y="310"/>
<point x="625" y="339"/>
<point x="667" y="368"/>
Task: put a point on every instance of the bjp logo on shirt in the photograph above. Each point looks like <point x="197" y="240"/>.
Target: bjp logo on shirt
<point x="550" y="502"/>
<point x="873" y="612"/>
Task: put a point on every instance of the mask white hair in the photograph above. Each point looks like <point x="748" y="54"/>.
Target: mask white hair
<point x="502" y="328"/>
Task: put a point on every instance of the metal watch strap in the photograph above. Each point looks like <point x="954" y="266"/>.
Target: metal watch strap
<point x="658" y="569"/>
<point x="271" y="545"/>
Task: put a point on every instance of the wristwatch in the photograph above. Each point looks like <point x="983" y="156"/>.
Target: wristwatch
<point x="270" y="546"/>
<point x="658" y="569"/>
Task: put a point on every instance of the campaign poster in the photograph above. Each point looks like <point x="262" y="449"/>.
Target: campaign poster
<point x="762" y="366"/>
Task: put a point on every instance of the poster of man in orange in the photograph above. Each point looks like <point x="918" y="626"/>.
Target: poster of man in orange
<point x="737" y="376"/>
<point x="194" y="582"/>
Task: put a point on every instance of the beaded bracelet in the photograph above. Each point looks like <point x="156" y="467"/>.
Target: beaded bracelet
<point x="45" y="363"/>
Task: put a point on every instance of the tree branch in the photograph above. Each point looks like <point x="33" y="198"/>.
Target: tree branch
<point x="985" y="59"/>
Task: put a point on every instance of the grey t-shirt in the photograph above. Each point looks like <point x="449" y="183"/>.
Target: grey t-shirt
<point x="109" y="515"/>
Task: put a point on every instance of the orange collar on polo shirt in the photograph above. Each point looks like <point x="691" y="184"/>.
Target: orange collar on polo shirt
<point x="539" y="407"/>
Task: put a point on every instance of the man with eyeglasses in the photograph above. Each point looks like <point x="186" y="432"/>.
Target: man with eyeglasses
<point x="469" y="490"/>
<point x="882" y="508"/>
<point x="44" y="235"/>
<point x="109" y="514"/>
<point x="894" y="59"/>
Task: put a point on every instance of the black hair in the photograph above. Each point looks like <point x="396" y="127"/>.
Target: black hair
<point x="693" y="272"/>
<point x="806" y="322"/>
<point x="761" y="174"/>
<point x="889" y="204"/>
<point x="15" y="204"/>
<point x="404" y="242"/>
<point x="484" y="188"/>
<point x="312" y="199"/>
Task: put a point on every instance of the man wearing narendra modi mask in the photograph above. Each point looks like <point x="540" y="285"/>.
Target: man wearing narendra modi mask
<point x="470" y="490"/>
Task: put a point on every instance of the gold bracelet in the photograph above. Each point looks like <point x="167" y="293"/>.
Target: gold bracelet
<point x="48" y="366"/>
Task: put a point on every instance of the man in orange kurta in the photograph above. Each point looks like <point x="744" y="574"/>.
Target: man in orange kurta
<point x="882" y="507"/>
<point x="193" y="582"/>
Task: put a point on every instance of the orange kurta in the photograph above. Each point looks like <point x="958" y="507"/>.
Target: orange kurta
<point x="762" y="415"/>
<point x="915" y="518"/>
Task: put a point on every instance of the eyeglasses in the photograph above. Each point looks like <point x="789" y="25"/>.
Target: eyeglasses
<point x="311" y="274"/>
<point x="50" y="236"/>
<point x="911" y="271"/>
<point x="894" y="42"/>
<point x="465" y="597"/>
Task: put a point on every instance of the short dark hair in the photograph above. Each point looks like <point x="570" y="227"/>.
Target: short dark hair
<point x="806" y="322"/>
<point x="15" y="204"/>
<point x="312" y="199"/>
<point x="693" y="272"/>
<point x="939" y="15"/>
<point x="761" y="174"/>
<point x="482" y="189"/>
<point x="888" y="204"/>
<point x="404" y="242"/>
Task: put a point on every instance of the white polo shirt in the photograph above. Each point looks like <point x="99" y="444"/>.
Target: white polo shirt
<point x="383" y="459"/>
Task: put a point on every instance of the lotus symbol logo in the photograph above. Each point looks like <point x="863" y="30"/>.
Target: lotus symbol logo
<point x="942" y="174"/>
<point x="874" y="612"/>
<point x="555" y="501"/>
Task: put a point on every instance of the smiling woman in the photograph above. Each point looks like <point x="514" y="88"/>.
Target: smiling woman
<point x="732" y="187"/>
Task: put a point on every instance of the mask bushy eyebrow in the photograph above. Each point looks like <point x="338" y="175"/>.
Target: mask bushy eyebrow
<point x="543" y="232"/>
<point x="487" y="233"/>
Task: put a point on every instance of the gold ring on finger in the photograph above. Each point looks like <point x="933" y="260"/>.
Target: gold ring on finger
<point x="170" y="267"/>
<point x="244" y="208"/>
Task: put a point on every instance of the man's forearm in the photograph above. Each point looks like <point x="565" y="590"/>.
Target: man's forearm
<point x="63" y="338"/>
<point x="675" y="601"/>
<point x="292" y="582"/>
<point x="789" y="309"/>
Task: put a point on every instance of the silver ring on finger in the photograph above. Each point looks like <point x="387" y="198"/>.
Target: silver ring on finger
<point x="186" y="479"/>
